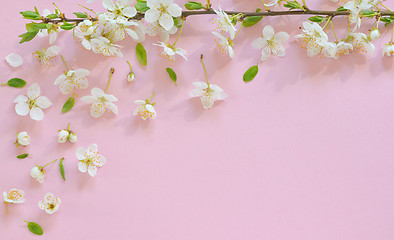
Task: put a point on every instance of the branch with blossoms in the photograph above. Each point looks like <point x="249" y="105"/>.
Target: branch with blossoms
<point x="102" y="33"/>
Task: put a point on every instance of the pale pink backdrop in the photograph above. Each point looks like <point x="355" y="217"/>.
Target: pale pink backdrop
<point x="303" y="152"/>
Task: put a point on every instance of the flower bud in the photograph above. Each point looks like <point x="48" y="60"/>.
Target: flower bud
<point x="131" y="77"/>
<point x="23" y="138"/>
<point x="72" y="137"/>
<point x="37" y="174"/>
<point x="375" y="34"/>
<point x="63" y="136"/>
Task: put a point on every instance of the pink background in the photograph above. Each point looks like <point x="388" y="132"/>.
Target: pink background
<point x="303" y="152"/>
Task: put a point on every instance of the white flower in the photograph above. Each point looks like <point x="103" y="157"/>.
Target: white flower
<point x="50" y="204"/>
<point x="225" y="23"/>
<point x="37" y="174"/>
<point x="105" y="46"/>
<point x="388" y="50"/>
<point x="145" y="109"/>
<point x="14" y="196"/>
<point x="375" y="34"/>
<point x="52" y="29"/>
<point x="360" y="43"/>
<point x="90" y="159"/>
<point x="169" y="51"/>
<point x="14" y="60"/>
<point x="63" y="136"/>
<point x="66" y="134"/>
<point x="154" y="29"/>
<point x="33" y="103"/>
<point x="101" y="102"/>
<point x="224" y="44"/>
<point x="313" y="38"/>
<point x="46" y="57"/>
<point x="271" y="43"/>
<point x="355" y="7"/>
<point x="162" y="11"/>
<point x="119" y="9"/>
<point x="23" y="138"/>
<point x="209" y="93"/>
<point x="72" y="79"/>
<point x="342" y="48"/>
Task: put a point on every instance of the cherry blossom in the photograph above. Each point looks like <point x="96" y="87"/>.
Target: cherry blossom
<point x="101" y="102"/>
<point x="162" y="11"/>
<point x="52" y="29"/>
<point x="38" y="172"/>
<point x="145" y="109"/>
<point x="388" y="50"/>
<point x="66" y="134"/>
<point x="155" y="29"/>
<point x="118" y="10"/>
<point x="47" y="56"/>
<point x="224" y="44"/>
<point x="208" y="93"/>
<point x="271" y="43"/>
<point x="72" y="79"/>
<point x="50" y="204"/>
<point x="360" y="42"/>
<point x="33" y="103"/>
<point x="22" y="139"/>
<point x="89" y="159"/>
<point x="225" y="24"/>
<point x="169" y="51"/>
<point x="313" y="38"/>
<point x="13" y="196"/>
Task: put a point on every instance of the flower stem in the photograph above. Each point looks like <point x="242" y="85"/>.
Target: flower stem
<point x="4" y="84"/>
<point x="266" y="8"/>
<point x="131" y="68"/>
<point x="239" y="30"/>
<point x="49" y="163"/>
<point x="68" y="69"/>
<point x="151" y="97"/>
<point x="110" y="77"/>
<point x="68" y="127"/>
<point x="388" y="9"/>
<point x="180" y="32"/>
<point x="205" y="70"/>
<point x="6" y="206"/>
<point x="89" y="9"/>
<point x="392" y="35"/>
<point x="328" y="21"/>
<point x="333" y="30"/>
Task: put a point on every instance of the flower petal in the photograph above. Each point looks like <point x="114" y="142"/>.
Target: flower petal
<point x="99" y="160"/>
<point x="109" y="5"/>
<point x="92" y="170"/>
<point x="43" y="102"/>
<point x="174" y="10"/>
<point x="14" y="60"/>
<point x="258" y="43"/>
<point x="152" y="15"/>
<point x="20" y="99"/>
<point x="97" y="109"/>
<point x="166" y="21"/>
<point x="36" y="114"/>
<point x="60" y="79"/>
<point x="22" y="108"/>
<point x="82" y="167"/>
<point x="33" y="91"/>
<point x="129" y="12"/>
<point x="97" y="92"/>
<point x="268" y="32"/>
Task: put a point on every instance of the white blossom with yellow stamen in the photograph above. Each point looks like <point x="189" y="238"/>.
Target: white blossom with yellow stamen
<point x="50" y="204"/>
<point x="360" y="42"/>
<point x="90" y="159"/>
<point x="208" y="93"/>
<point x="162" y="11"/>
<point x="313" y="38"/>
<point x="47" y="56"/>
<point x="169" y="51"/>
<point x="72" y="79"/>
<point x="271" y="42"/>
<point x="388" y="50"/>
<point x="101" y="102"/>
<point x="23" y="139"/>
<point x="145" y="109"/>
<point x="225" y="23"/>
<point x="224" y="44"/>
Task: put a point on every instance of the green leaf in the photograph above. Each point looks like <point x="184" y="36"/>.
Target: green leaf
<point x="62" y="169"/>
<point x="34" y="27"/>
<point x="22" y="156"/>
<point x="80" y="15"/>
<point x="26" y="37"/>
<point x="67" y="26"/>
<point x="317" y="19"/>
<point x="387" y="20"/>
<point x="16" y="83"/>
<point x="141" y="6"/>
<point x="141" y="54"/>
<point x="52" y="16"/>
<point x="194" y="5"/>
<point x="368" y="13"/>
<point x="293" y="5"/>
<point x="35" y="228"/>
<point x="172" y="75"/>
<point x="251" y="73"/>
<point x="68" y="105"/>
<point x="341" y="9"/>
<point x="251" y="21"/>
<point x="31" y="15"/>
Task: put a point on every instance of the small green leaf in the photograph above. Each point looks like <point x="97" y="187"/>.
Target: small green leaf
<point x="80" y="15"/>
<point x="68" y="105"/>
<point x="293" y="5"/>
<point x="141" y="6"/>
<point x="26" y="37"/>
<point x="31" y="15"/>
<point x="52" y="16"/>
<point x="368" y="13"/>
<point x="33" y="27"/>
<point x="194" y="5"/>
<point x="23" y="156"/>
<point x="251" y="73"/>
<point x="62" y="169"/>
<point x="317" y="19"/>
<point x="16" y="83"/>
<point x="67" y="26"/>
<point x="387" y="20"/>
<point x="251" y="21"/>
<point x="341" y="9"/>
<point x="172" y="75"/>
<point x="141" y="54"/>
<point x="35" y="228"/>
